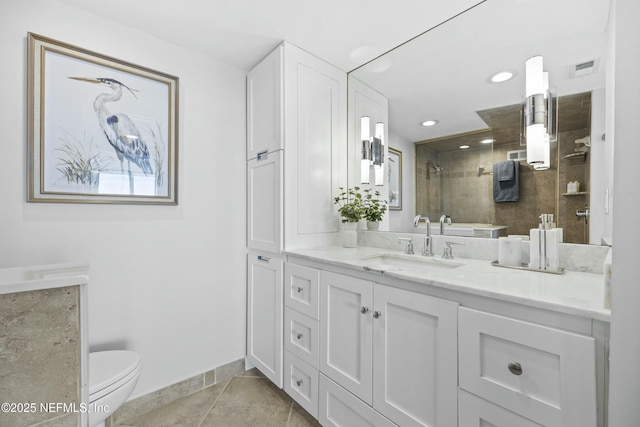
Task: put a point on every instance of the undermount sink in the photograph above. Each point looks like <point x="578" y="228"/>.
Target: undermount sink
<point x="408" y="262"/>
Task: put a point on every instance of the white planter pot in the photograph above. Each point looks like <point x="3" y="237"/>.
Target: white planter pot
<point x="349" y="234"/>
<point x="373" y="225"/>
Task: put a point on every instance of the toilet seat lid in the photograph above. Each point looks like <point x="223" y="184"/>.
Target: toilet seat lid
<point x="109" y="367"/>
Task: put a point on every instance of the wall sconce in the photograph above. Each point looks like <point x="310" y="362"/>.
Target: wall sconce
<point x="538" y="110"/>
<point x="372" y="152"/>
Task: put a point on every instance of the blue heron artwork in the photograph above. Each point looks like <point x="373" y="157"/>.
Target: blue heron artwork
<point x="120" y="131"/>
<point x="107" y="129"/>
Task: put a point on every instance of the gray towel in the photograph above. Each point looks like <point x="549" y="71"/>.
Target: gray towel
<point x="506" y="170"/>
<point x="506" y="190"/>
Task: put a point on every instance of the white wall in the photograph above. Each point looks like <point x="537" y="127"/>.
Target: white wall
<point x="625" y="290"/>
<point x="168" y="282"/>
<point x="402" y="220"/>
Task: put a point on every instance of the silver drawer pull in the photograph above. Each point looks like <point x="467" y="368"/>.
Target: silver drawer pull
<point x="299" y="382"/>
<point x="263" y="258"/>
<point x="515" y="368"/>
<point x="299" y="336"/>
<point x="364" y="310"/>
<point x="300" y="289"/>
<point x="376" y="314"/>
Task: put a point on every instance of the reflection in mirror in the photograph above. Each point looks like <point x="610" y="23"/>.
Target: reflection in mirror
<point x="395" y="181"/>
<point x="459" y="182"/>
<point x="445" y="75"/>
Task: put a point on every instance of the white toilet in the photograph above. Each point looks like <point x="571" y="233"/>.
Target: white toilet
<point x="112" y="377"/>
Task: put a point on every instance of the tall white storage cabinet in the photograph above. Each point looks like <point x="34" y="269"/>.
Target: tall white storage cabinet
<point x="296" y="161"/>
<point x="296" y="130"/>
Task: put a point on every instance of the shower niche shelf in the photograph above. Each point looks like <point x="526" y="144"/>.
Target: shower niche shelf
<point x="579" y="193"/>
<point x="581" y="154"/>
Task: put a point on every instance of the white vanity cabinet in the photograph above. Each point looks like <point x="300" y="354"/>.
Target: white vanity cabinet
<point x="544" y="375"/>
<point x="296" y="160"/>
<point x="265" y="314"/>
<point x="393" y="349"/>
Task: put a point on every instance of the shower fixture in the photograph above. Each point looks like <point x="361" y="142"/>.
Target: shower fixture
<point x="435" y="167"/>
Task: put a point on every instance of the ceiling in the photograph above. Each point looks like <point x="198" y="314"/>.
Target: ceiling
<point x="444" y="74"/>
<point x="241" y="32"/>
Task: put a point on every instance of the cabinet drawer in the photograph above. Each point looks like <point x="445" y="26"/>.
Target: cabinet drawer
<point x="476" y="412"/>
<point x="339" y="408"/>
<point x="301" y="383"/>
<point x="301" y="289"/>
<point x="301" y="336"/>
<point x="544" y="374"/>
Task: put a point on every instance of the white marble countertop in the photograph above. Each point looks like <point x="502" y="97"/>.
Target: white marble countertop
<point x="572" y="292"/>
<point x="32" y="278"/>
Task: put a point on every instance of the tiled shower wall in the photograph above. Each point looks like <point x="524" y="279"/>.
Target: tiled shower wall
<point x="461" y="190"/>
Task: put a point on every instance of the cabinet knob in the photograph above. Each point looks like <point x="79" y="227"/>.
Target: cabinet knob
<point x="364" y="310"/>
<point x="376" y="314"/>
<point x="299" y="289"/>
<point x="515" y="368"/>
<point x="299" y="382"/>
<point x="299" y="336"/>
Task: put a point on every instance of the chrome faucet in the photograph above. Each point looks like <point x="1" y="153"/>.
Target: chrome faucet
<point x="427" y="249"/>
<point x="443" y="219"/>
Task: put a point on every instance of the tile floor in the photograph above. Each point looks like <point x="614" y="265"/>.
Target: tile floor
<point x="246" y="400"/>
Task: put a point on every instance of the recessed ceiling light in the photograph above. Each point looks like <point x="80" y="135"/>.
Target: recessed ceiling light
<point x="502" y="76"/>
<point x="430" y="122"/>
<point x="464" y="147"/>
<point x="486" y="141"/>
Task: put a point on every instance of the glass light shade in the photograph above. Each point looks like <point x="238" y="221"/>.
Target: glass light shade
<point x="380" y="131"/>
<point x="534" y="76"/>
<point x="364" y="171"/>
<point x="364" y="129"/>
<point x="546" y="163"/>
<point x="535" y="144"/>
<point x="379" y="174"/>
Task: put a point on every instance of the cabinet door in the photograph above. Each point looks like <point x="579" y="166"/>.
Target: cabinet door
<point x="264" y="202"/>
<point x="415" y="346"/>
<point x="264" y="105"/>
<point x="345" y="332"/>
<point x="315" y="148"/>
<point x="339" y="408"/>
<point x="264" y="315"/>
<point x="476" y="412"/>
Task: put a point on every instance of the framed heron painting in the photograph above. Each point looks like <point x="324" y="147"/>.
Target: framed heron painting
<point x="100" y="130"/>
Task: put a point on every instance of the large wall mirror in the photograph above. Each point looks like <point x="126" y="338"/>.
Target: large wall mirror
<point x="445" y="75"/>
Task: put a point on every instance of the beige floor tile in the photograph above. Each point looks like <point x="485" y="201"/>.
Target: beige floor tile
<point x="254" y="372"/>
<point x="184" y="412"/>
<point x="250" y="402"/>
<point x="247" y="400"/>
<point x="301" y="418"/>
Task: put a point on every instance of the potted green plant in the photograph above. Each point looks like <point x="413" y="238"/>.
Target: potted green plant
<point x="374" y="208"/>
<point x="350" y="204"/>
<point x="351" y="211"/>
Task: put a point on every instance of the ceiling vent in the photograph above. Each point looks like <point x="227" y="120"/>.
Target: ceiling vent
<point x="584" y="68"/>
